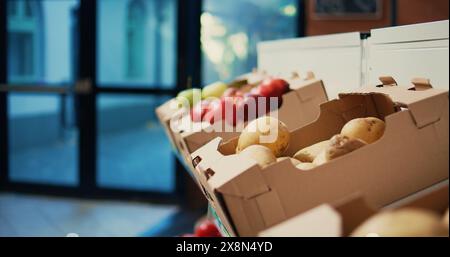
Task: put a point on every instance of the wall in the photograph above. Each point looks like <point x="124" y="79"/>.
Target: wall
<point x="321" y="27"/>
<point x="417" y="11"/>
<point x="408" y="12"/>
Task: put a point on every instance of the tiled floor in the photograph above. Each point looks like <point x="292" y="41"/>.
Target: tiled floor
<point x="26" y="215"/>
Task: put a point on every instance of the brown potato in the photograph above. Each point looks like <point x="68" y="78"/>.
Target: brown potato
<point x="339" y="145"/>
<point x="406" y="222"/>
<point x="261" y="154"/>
<point x="321" y="158"/>
<point x="306" y="166"/>
<point x="266" y="131"/>
<point x="368" y="130"/>
<point x="294" y="162"/>
<point x="310" y="153"/>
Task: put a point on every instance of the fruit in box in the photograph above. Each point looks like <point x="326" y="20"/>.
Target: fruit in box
<point x="273" y="87"/>
<point x="200" y="110"/>
<point x="261" y="154"/>
<point x="308" y="154"/>
<point x="214" y="90"/>
<point x="216" y="111"/>
<point x="367" y="129"/>
<point x="237" y="104"/>
<point x="230" y="92"/>
<point x="207" y="229"/>
<point x="338" y="146"/>
<point x="189" y="97"/>
<point x="231" y="108"/>
<point x="406" y="222"/>
<point x="294" y="162"/>
<point x="266" y="131"/>
<point x="306" y="166"/>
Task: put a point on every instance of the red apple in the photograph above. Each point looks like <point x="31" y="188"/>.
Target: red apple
<point x="207" y="229"/>
<point x="199" y="110"/>
<point x="216" y="111"/>
<point x="247" y="108"/>
<point x="273" y="87"/>
<point x="230" y="109"/>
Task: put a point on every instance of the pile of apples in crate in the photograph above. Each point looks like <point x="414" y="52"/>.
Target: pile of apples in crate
<point x="219" y="101"/>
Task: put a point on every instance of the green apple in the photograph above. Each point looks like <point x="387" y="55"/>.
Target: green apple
<point x="189" y="97"/>
<point x="215" y="90"/>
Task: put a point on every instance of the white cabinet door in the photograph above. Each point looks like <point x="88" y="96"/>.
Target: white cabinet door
<point x="411" y="51"/>
<point x="336" y="59"/>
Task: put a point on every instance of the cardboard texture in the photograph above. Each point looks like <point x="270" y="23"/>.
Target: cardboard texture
<point x="300" y="106"/>
<point x="411" y="155"/>
<point x="343" y="218"/>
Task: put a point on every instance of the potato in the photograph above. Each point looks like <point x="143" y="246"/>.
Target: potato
<point x="321" y="158"/>
<point x="310" y="153"/>
<point x="306" y="166"/>
<point x="261" y="154"/>
<point x="368" y="130"/>
<point x="294" y="162"/>
<point x="266" y="131"/>
<point x="406" y="222"/>
<point x="338" y="146"/>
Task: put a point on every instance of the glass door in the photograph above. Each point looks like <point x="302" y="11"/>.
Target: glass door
<point x="136" y="65"/>
<point x="40" y="103"/>
<point x="79" y="82"/>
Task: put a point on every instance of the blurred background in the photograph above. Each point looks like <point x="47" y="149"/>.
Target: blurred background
<point x="81" y="150"/>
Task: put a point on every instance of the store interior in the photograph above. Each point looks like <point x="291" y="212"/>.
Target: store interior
<point x="82" y="149"/>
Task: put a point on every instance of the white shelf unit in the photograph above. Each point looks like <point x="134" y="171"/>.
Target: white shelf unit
<point x="345" y="61"/>
<point x="336" y="59"/>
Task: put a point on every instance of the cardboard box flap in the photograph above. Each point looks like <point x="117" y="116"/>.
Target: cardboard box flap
<point x="426" y="106"/>
<point x="166" y="110"/>
<point x="380" y="104"/>
<point x="343" y="217"/>
<point x="219" y="170"/>
<point x="336" y="113"/>
<point x="250" y="184"/>
<point x="195" y="140"/>
<point x="353" y="211"/>
<point x="323" y="220"/>
<point x="309" y="90"/>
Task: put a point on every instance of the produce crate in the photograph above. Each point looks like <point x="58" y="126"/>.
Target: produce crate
<point x="343" y="218"/>
<point x="299" y="107"/>
<point x="249" y="199"/>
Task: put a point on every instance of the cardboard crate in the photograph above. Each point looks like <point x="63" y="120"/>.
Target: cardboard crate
<point x="300" y="106"/>
<point x="344" y="217"/>
<point x="411" y="155"/>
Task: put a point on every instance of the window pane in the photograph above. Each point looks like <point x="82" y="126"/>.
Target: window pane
<point x="28" y="9"/>
<point x="43" y="137"/>
<point x="12" y="8"/>
<point x="41" y="40"/>
<point x="42" y="141"/>
<point x="137" y="43"/>
<point x="133" y="150"/>
<point x="231" y="29"/>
